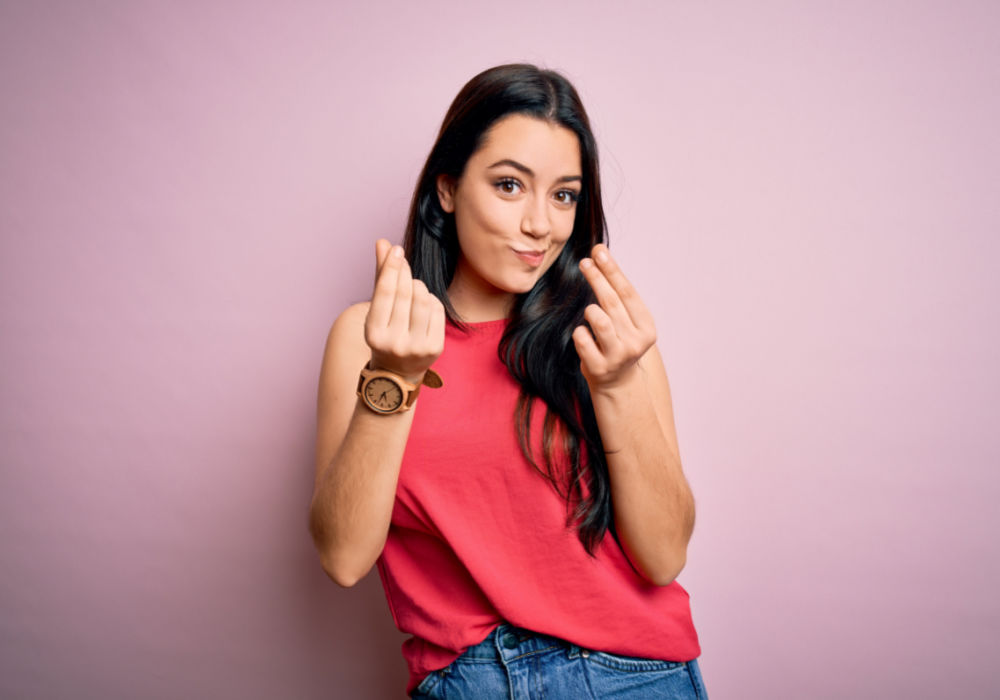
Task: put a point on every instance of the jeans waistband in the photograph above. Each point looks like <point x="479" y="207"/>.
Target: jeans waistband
<point x="508" y="641"/>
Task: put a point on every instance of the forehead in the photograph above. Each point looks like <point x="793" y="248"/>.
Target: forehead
<point x="544" y="147"/>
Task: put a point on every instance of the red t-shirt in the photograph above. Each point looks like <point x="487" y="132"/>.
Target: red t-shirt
<point x="478" y="537"/>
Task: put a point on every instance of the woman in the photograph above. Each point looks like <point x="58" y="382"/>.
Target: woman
<point x="544" y="424"/>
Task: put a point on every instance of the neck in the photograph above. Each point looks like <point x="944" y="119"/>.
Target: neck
<point x="475" y="300"/>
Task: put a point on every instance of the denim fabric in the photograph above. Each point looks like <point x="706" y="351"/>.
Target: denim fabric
<point x="513" y="663"/>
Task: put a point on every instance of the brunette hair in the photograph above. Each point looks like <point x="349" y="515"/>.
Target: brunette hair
<point x="537" y="345"/>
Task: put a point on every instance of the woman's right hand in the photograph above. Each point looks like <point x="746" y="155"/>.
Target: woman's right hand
<point x="405" y="323"/>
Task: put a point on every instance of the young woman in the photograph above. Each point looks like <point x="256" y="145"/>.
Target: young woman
<point x="543" y="425"/>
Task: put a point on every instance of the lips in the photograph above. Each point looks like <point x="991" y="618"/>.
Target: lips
<point x="532" y="257"/>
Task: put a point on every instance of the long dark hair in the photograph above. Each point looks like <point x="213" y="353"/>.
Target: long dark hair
<point x="537" y="345"/>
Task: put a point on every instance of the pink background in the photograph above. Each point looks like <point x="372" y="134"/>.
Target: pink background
<point x="806" y="194"/>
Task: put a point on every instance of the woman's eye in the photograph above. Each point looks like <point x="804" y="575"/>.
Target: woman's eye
<point x="508" y="185"/>
<point x="567" y="196"/>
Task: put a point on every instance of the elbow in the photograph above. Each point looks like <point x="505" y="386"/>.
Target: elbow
<point x="670" y="568"/>
<point x="340" y="573"/>
<point x="660" y="569"/>
<point x="665" y="579"/>
<point x="668" y="574"/>
<point x="341" y="578"/>
<point x="343" y="571"/>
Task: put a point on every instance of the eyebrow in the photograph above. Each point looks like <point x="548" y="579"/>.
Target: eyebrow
<point x="527" y="171"/>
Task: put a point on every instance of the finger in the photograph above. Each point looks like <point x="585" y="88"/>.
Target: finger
<point x="400" y="321"/>
<point x="586" y="348"/>
<point x="383" y="299"/>
<point x="604" y="331"/>
<point x="627" y="293"/>
<point x="420" y="312"/>
<point x="606" y="295"/>
<point x="382" y="248"/>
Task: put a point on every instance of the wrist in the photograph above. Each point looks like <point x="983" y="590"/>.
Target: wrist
<point x="387" y="392"/>
<point x="411" y="377"/>
<point x="621" y="383"/>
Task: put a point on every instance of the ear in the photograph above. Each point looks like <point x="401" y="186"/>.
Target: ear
<point x="446" y="192"/>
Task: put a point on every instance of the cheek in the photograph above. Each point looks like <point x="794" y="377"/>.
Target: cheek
<point x="563" y="229"/>
<point x="561" y="235"/>
<point x="557" y="250"/>
<point x="484" y="216"/>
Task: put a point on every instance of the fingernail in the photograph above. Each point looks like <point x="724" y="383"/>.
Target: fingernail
<point x="601" y="255"/>
<point x="397" y="252"/>
<point x="586" y="263"/>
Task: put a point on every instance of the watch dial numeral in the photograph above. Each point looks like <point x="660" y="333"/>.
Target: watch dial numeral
<point x="383" y="394"/>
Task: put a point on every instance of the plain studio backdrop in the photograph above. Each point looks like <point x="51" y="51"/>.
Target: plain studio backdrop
<point x="805" y="194"/>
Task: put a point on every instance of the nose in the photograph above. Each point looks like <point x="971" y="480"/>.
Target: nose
<point x="535" y="219"/>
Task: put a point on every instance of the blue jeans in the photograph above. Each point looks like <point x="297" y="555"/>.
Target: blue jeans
<point x="515" y="663"/>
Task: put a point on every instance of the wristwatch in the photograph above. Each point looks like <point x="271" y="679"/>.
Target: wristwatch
<point x="386" y="392"/>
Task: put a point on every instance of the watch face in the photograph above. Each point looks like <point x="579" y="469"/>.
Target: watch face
<point x="383" y="394"/>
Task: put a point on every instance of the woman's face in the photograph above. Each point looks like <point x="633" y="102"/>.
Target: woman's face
<point x="514" y="207"/>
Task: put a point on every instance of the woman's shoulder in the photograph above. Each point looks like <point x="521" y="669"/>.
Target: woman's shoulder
<point x="354" y="314"/>
<point x="347" y="335"/>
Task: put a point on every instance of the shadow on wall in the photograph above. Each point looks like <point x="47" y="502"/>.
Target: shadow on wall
<point x="352" y="641"/>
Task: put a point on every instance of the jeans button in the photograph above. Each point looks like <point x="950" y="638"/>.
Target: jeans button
<point x="509" y="640"/>
<point x="585" y="653"/>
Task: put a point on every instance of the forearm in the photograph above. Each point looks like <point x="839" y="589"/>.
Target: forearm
<point x="654" y="508"/>
<point x="352" y="505"/>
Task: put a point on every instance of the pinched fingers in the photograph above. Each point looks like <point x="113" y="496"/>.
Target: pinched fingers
<point x="615" y="287"/>
<point x="602" y="366"/>
<point x="606" y="294"/>
<point x="626" y="294"/>
<point x="632" y="320"/>
<point x="602" y="353"/>
<point x="405" y="324"/>
<point x="621" y="327"/>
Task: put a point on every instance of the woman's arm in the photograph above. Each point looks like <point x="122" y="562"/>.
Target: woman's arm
<point x="654" y="508"/>
<point x="359" y="452"/>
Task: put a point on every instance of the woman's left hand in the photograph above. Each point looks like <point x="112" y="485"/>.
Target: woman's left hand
<point x="623" y="328"/>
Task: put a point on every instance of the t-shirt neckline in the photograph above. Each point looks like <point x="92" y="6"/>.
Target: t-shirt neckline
<point x="482" y="326"/>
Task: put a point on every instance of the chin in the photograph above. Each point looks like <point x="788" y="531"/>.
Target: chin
<point x="523" y="284"/>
